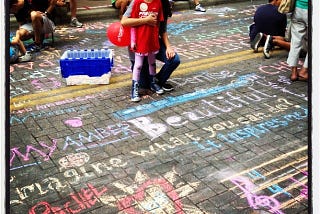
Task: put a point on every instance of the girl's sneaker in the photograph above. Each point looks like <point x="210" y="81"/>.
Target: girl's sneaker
<point x="25" y="58"/>
<point x="135" y="92"/>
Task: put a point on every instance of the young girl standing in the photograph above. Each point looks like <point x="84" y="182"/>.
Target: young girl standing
<point x="145" y="42"/>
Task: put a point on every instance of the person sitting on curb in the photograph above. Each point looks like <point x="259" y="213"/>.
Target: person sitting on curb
<point x="121" y="5"/>
<point x="42" y="24"/>
<point x="268" y="22"/>
<point x="34" y="18"/>
<point x="73" y="12"/>
<point x="198" y="6"/>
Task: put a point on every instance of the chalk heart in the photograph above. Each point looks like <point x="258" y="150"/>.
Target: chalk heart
<point x="74" y="122"/>
<point x="140" y="196"/>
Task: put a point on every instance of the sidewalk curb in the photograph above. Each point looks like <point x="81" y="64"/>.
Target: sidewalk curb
<point x="111" y="13"/>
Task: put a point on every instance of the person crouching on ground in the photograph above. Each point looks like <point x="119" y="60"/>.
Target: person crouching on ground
<point x="267" y="22"/>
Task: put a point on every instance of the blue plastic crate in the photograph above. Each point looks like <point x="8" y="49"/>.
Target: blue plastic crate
<point x="92" y="63"/>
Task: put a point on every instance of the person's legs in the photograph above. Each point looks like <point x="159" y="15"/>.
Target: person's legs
<point x="17" y="41"/>
<point x="303" y="74"/>
<point x="73" y="12"/>
<point x="152" y="71"/>
<point x="37" y="24"/>
<point x="165" y="72"/>
<point x="169" y="65"/>
<point x="298" y="31"/>
<point x="138" y="62"/>
<point x="73" y="8"/>
<point x="25" y="56"/>
<point x="144" y="81"/>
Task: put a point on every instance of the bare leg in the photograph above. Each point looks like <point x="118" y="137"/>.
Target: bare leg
<point x="73" y="8"/>
<point x="17" y="40"/>
<point x="294" y="73"/>
<point x="303" y="74"/>
<point x="37" y="24"/>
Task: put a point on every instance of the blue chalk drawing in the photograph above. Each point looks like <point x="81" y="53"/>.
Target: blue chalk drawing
<point x="141" y="110"/>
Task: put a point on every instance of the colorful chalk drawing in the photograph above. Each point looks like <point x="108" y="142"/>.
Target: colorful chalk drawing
<point x="272" y="185"/>
<point x="154" y="195"/>
<point x="74" y="160"/>
<point x="256" y="201"/>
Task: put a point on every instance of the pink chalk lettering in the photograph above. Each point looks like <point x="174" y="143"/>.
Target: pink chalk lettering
<point x="41" y="86"/>
<point x="25" y="157"/>
<point x="256" y="201"/>
<point x="47" y="207"/>
<point x="86" y="198"/>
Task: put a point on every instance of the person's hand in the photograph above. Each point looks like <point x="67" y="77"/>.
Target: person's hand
<point x="170" y="53"/>
<point x="151" y="19"/>
<point x="60" y="3"/>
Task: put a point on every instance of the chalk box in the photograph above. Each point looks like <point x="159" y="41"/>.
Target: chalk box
<point x="86" y="66"/>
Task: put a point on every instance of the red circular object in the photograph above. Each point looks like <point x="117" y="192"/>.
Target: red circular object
<point x="119" y="35"/>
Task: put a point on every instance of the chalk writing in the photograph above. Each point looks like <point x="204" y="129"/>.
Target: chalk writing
<point x="203" y="48"/>
<point x="71" y="100"/>
<point x="154" y="130"/>
<point x="42" y="188"/>
<point x="201" y="78"/>
<point x="304" y="191"/>
<point x="16" y="119"/>
<point x="92" y="139"/>
<point x="142" y="110"/>
<point x="233" y="136"/>
<point x="262" y="128"/>
<point x="91" y="170"/>
<point x="85" y="199"/>
<point x="15" y="152"/>
<point x="53" y="83"/>
<point x="261" y="81"/>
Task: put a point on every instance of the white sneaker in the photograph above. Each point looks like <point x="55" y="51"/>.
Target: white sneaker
<point x="267" y="47"/>
<point x="25" y="58"/>
<point x="75" y="23"/>
<point x="200" y="8"/>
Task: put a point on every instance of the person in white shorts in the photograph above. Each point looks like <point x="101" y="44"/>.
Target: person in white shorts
<point x="34" y="19"/>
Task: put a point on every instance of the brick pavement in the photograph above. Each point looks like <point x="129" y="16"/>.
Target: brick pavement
<point x="231" y="137"/>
